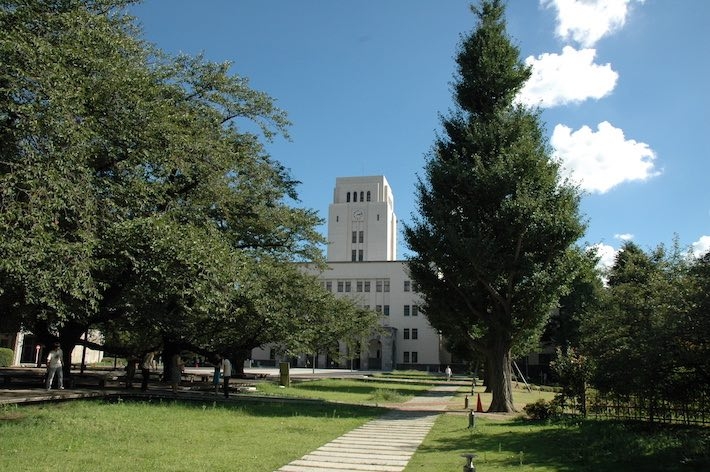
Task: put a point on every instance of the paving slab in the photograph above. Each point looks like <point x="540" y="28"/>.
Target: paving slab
<point x="385" y="444"/>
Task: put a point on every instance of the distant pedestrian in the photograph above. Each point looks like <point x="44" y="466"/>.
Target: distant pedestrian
<point x="226" y="375"/>
<point x="146" y="365"/>
<point x="448" y="373"/>
<point x="176" y="366"/>
<point x="215" y="377"/>
<point x="54" y="366"/>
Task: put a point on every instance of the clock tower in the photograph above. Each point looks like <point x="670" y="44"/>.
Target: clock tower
<point x="362" y="225"/>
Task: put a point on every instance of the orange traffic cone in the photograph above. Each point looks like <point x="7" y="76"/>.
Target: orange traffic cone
<point x="479" y="407"/>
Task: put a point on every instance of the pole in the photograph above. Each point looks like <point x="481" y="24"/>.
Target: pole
<point x="522" y="376"/>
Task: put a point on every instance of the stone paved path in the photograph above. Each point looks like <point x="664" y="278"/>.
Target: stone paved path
<point x="383" y="445"/>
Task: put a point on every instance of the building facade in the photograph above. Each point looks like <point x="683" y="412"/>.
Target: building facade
<point x="363" y="266"/>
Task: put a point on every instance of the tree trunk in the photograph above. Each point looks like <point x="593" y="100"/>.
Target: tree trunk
<point x="500" y="378"/>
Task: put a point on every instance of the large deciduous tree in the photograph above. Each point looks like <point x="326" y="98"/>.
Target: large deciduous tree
<point x="133" y="198"/>
<point x="496" y="222"/>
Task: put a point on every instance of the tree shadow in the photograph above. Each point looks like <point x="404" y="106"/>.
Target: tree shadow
<point x="581" y="446"/>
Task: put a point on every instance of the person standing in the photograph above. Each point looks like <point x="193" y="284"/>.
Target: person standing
<point x="146" y="365"/>
<point x="226" y="375"/>
<point x="448" y="373"/>
<point x="216" y="375"/>
<point x="176" y="364"/>
<point x="54" y="366"/>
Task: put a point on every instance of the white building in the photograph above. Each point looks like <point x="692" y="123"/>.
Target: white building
<point x="363" y="265"/>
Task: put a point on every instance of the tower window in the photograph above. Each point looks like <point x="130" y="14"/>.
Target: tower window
<point x="387" y="310"/>
<point x="361" y="237"/>
<point x="347" y="198"/>
<point x="362" y="194"/>
<point x="360" y="255"/>
<point x="353" y="256"/>
<point x="354" y="237"/>
<point x="354" y="196"/>
<point x="368" y="195"/>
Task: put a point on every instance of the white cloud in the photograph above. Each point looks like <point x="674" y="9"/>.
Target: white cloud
<point x="701" y="246"/>
<point x="607" y="256"/>
<point x="570" y="77"/>
<point x="598" y="161"/>
<point x="624" y="236"/>
<point x="587" y="21"/>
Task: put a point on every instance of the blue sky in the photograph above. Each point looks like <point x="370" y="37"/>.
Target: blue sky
<point x="623" y="87"/>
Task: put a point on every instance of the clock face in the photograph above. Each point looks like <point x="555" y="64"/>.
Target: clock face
<point x="358" y="215"/>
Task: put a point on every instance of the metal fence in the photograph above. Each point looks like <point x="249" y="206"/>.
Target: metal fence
<point x="644" y="409"/>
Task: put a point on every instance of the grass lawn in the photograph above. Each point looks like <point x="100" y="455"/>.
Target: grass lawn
<point x="357" y="392"/>
<point x="169" y="436"/>
<point x="579" y="446"/>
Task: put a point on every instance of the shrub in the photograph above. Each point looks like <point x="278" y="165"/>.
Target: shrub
<point x="542" y="409"/>
<point x="6" y="356"/>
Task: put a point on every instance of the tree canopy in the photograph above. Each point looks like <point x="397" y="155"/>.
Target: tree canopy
<point x="492" y="239"/>
<point x="135" y="192"/>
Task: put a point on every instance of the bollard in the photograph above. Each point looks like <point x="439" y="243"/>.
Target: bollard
<point x="471" y="419"/>
<point x="465" y="403"/>
<point x="469" y="467"/>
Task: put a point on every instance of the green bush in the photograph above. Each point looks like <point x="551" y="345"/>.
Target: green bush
<point x="6" y="356"/>
<point x="542" y="409"/>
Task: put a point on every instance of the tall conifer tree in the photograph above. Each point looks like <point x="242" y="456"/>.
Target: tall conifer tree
<point x="492" y="239"/>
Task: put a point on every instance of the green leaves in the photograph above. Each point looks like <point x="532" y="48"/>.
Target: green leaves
<point x="135" y="195"/>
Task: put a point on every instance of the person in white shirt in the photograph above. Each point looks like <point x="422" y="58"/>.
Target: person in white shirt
<point x="226" y="374"/>
<point x="54" y="367"/>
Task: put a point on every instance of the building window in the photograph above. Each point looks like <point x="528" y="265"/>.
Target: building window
<point x="362" y="194"/>
<point x="406" y="357"/>
<point x="378" y="286"/>
<point x="407" y="285"/>
<point x="415" y="310"/>
<point x="368" y="195"/>
<point x="329" y="286"/>
<point x="360" y="255"/>
<point x="378" y="217"/>
<point x="347" y="199"/>
<point x="337" y="218"/>
<point x="387" y="310"/>
<point x="348" y="286"/>
<point x="387" y="285"/>
<point x="358" y="285"/>
<point x="415" y="333"/>
<point x="353" y="255"/>
<point x="354" y="196"/>
<point x="415" y="287"/>
<point x="378" y="308"/>
<point x="406" y="333"/>
<point x="354" y="240"/>
<point x="367" y="285"/>
<point x="415" y="357"/>
<point x="406" y="310"/>
<point x="361" y="237"/>
<point x="340" y="286"/>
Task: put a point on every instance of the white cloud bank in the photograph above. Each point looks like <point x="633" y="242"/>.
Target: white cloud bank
<point x="701" y="246"/>
<point x="624" y="236"/>
<point x="598" y="161"/>
<point x="607" y="256"/>
<point x="587" y="21"/>
<point x="570" y="77"/>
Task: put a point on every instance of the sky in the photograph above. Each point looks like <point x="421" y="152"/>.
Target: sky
<point x="622" y="86"/>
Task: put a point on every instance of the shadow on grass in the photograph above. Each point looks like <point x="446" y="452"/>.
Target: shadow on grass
<point x="588" y="445"/>
<point x="269" y="409"/>
<point x="361" y="389"/>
